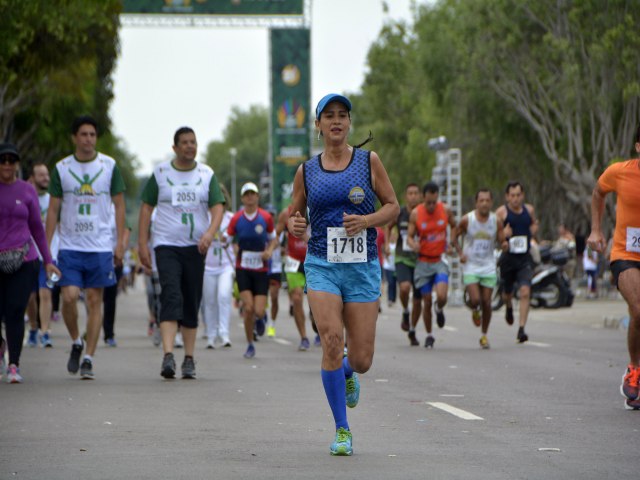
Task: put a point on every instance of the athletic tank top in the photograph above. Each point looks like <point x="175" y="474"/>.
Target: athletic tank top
<point x="403" y="251"/>
<point x="479" y="243"/>
<point x="520" y="227"/>
<point x="432" y="230"/>
<point x="332" y="193"/>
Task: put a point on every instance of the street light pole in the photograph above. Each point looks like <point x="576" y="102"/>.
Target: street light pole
<point x="234" y="152"/>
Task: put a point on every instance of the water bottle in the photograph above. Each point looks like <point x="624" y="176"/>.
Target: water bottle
<point x="52" y="280"/>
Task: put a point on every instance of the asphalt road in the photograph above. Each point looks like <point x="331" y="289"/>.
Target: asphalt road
<point x="548" y="409"/>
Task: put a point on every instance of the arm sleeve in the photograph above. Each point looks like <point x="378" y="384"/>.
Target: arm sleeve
<point x="215" y="194"/>
<point x="35" y="226"/>
<point x="117" y="182"/>
<point x="609" y="178"/>
<point x="150" y="192"/>
<point x="55" y="185"/>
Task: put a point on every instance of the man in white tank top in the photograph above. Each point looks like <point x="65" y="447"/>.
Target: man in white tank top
<point x="479" y="230"/>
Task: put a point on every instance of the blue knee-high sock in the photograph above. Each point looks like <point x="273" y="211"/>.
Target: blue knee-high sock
<point x="334" y="387"/>
<point x="348" y="371"/>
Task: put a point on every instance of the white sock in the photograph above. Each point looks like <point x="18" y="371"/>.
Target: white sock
<point x="88" y="357"/>
<point x="77" y="341"/>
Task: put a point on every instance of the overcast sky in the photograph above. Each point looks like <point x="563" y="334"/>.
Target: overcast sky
<point x="169" y="77"/>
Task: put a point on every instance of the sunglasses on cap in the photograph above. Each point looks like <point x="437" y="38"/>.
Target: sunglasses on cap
<point x="8" y="158"/>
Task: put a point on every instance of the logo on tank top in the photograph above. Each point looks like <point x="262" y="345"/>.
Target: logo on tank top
<point x="259" y="229"/>
<point x="356" y="195"/>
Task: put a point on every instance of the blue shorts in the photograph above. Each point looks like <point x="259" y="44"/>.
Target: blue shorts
<point x="86" y="269"/>
<point x="426" y="275"/>
<point x="354" y="282"/>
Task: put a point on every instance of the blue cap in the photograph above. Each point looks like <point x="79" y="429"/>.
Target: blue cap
<point x="327" y="99"/>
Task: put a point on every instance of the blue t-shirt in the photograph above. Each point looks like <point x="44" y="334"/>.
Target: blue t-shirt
<point x="252" y="235"/>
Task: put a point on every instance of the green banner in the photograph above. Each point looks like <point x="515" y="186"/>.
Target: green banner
<point x="290" y="108"/>
<point x="215" y="7"/>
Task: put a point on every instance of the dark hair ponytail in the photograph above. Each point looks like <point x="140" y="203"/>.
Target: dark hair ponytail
<point x="369" y="139"/>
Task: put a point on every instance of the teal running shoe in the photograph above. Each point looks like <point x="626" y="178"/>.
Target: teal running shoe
<point x="353" y="390"/>
<point x="341" y="446"/>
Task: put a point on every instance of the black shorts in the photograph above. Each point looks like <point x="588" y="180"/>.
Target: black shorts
<point x="252" y="280"/>
<point x="619" y="266"/>
<point x="275" y="278"/>
<point x="515" y="268"/>
<point x="404" y="273"/>
<point x="181" y="272"/>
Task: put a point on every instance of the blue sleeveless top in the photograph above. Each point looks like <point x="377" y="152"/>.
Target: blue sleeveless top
<point x="330" y="193"/>
<point x="520" y="223"/>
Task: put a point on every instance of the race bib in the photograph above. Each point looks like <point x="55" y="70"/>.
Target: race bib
<point x="251" y="260"/>
<point x="85" y="225"/>
<point x="481" y="248"/>
<point x="291" y="265"/>
<point x="183" y="195"/>
<point x="633" y="240"/>
<point x="405" y="241"/>
<point x="342" y="248"/>
<point x="518" y="244"/>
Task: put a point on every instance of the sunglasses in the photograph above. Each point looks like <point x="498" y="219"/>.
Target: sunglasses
<point x="8" y="158"/>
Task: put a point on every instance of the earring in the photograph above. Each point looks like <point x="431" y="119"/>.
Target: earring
<point x="319" y="135"/>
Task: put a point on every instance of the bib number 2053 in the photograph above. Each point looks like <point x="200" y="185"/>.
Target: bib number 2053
<point x="342" y="248"/>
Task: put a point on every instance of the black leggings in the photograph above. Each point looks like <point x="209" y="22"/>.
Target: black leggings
<point x="109" y="295"/>
<point x="15" y="289"/>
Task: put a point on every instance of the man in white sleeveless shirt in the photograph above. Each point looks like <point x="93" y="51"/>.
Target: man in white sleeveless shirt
<point x="480" y="231"/>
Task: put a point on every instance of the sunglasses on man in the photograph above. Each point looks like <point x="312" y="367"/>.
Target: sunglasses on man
<point x="8" y="158"/>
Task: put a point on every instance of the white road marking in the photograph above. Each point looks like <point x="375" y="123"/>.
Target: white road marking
<point x="463" y="414"/>
<point x="455" y="395"/>
<point x="540" y="344"/>
<point x="282" y="341"/>
<point x="450" y="329"/>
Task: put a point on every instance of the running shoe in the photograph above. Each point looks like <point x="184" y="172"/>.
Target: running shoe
<point x="476" y="317"/>
<point x="226" y="343"/>
<point x="342" y="445"/>
<point x="73" y="365"/>
<point x="45" y="340"/>
<point x="632" y="404"/>
<point x="317" y="342"/>
<point x="178" y="342"/>
<point x="210" y="345"/>
<point x="271" y="331"/>
<point x="13" y="374"/>
<point x="55" y="317"/>
<point x="261" y="324"/>
<point x="404" y="324"/>
<point x="86" y="370"/>
<point x="509" y="316"/>
<point x="630" y="382"/>
<point x="352" y="390"/>
<point x="429" y="341"/>
<point x="111" y="342"/>
<point x="32" y="341"/>
<point x="168" y="366"/>
<point x="412" y="338"/>
<point x="439" y="316"/>
<point x="484" y="342"/>
<point x="188" y="368"/>
<point x="251" y="351"/>
<point x="304" y="345"/>
<point x="522" y="337"/>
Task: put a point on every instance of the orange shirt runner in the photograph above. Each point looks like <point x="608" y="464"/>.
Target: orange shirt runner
<point x="432" y="230"/>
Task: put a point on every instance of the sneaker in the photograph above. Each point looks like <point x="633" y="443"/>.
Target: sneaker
<point x="226" y="343"/>
<point x="476" y="317"/>
<point x="45" y="340"/>
<point x="178" y="342"/>
<point x="210" y="345"/>
<point x="404" y="324"/>
<point x="352" y="390"/>
<point x="484" y="342"/>
<point x="439" y="317"/>
<point x="261" y="324"/>
<point x="509" y="316"/>
<point x="13" y="374"/>
<point x="86" y="369"/>
<point x="304" y="345"/>
<point x="271" y="331"/>
<point x="632" y="404"/>
<point x="251" y="351"/>
<point x="111" y="342"/>
<point x="168" y="366"/>
<point x="522" y="337"/>
<point x="630" y="382"/>
<point x="412" y="339"/>
<point x="32" y="341"/>
<point x="188" y="368"/>
<point x="317" y="342"/>
<point x="342" y="445"/>
<point x="429" y="341"/>
<point x="73" y="365"/>
<point x="55" y="317"/>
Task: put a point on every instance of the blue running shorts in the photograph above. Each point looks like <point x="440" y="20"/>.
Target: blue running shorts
<point x="354" y="282"/>
<point x="86" y="269"/>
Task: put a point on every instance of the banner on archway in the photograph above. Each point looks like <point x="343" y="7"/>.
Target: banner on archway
<point x="290" y="108"/>
<point x="215" y="7"/>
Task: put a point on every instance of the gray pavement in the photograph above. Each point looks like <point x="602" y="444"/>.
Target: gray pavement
<point x="547" y="409"/>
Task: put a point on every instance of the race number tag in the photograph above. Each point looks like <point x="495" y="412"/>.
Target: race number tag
<point x="85" y="225"/>
<point x="633" y="239"/>
<point x="251" y="260"/>
<point x="405" y="241"/>
<point x="342" y="248"/>
<point x="291" y="265"/>
<point x="183" y="195"/>
<point x="481" y="248"/>
<point x="518" y="244"/>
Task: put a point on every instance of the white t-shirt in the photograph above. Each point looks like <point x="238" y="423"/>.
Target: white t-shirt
<point x="479" y="245"/>
<point x="43" y="200"/>
<point x="219" y="259"/>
